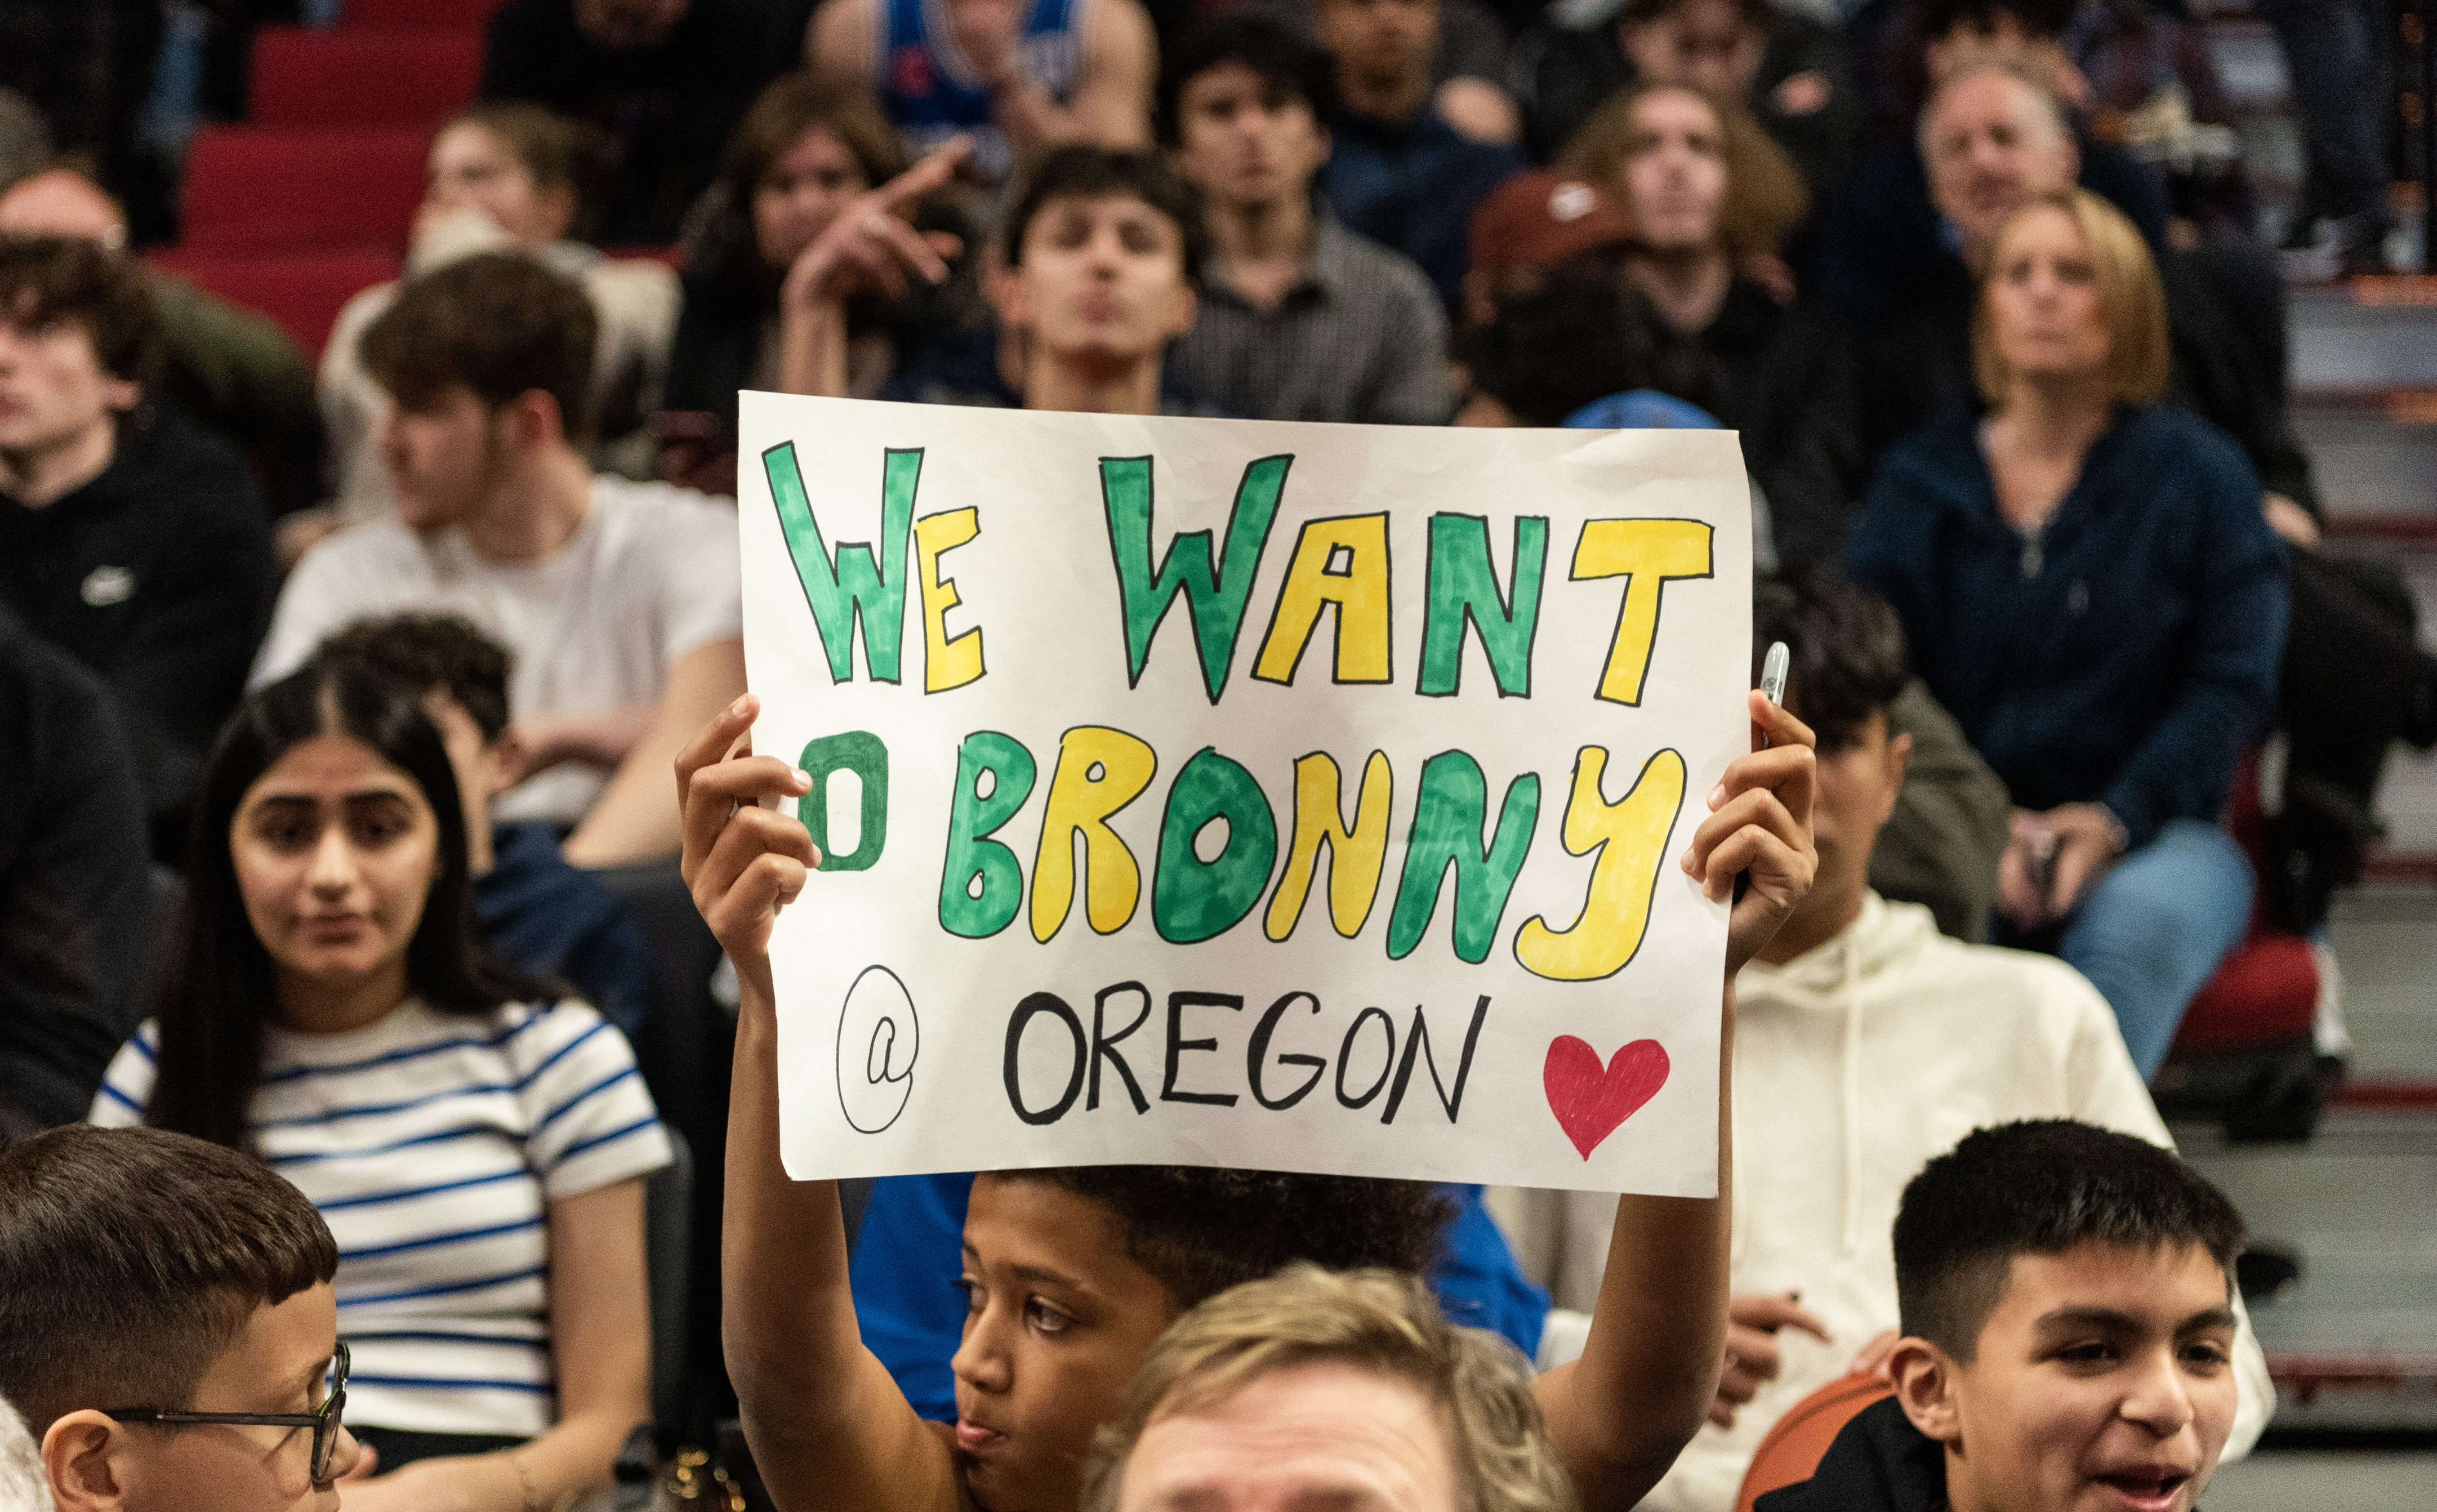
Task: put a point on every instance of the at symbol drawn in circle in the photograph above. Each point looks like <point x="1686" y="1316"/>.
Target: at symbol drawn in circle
<point x="877" y="1038"/>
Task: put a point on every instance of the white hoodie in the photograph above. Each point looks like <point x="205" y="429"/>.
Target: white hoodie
<point x="1854" y="1065"/>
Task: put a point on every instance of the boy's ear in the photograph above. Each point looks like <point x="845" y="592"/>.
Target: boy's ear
<point x="1925" y="1381"/>
<point x="81" y="1454"/>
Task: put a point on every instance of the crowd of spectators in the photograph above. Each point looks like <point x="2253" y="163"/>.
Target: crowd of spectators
<point x="327" y="698"/>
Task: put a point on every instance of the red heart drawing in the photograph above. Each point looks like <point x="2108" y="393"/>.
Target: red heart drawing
<point x="1590" y="1100"/>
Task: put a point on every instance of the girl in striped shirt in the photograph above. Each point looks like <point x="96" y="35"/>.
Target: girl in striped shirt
<point x="475" y="1146"/>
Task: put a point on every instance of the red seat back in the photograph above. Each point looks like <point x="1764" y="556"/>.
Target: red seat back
<point x="2266" y="994"/>
<point x="362" y="76"/>
<point x="262" y="188"/>
<point x="1794" y="1447"/>
<point x="303" y="290"/>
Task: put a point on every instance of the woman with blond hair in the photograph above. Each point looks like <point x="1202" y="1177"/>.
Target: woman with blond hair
<point x="2086" y="581"/>
<point x="1711" y="201"/>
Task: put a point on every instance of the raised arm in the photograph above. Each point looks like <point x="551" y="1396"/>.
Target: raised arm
<point x="828" y="1426"/>
<point x="632" y="819"/>
<point x="1649" y="1371"/>
<point x="871" y="247"/>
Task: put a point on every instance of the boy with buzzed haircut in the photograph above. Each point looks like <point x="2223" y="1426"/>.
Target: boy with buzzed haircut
<point x="2069" y="1323"/>
<point x="168" y="1326"/>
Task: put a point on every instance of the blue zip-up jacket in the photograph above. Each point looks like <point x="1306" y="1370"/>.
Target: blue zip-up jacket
<point x="2127" y="652"/>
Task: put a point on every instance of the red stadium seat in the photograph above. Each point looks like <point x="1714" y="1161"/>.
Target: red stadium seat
<point x="457" y="13"/>
<point x="362" y="76"/>
<point x="303" y="290"/>
<point x="2265" y="995"/>
<point x="1792" y="1448"/>
<point x="265" y="188"/>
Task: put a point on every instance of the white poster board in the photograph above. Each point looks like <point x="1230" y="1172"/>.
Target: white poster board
<point x="1295" y="797"/>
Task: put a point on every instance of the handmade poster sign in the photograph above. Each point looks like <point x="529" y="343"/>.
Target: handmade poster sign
<point x="1300" y="797"/>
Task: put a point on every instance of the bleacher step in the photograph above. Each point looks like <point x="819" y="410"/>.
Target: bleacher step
<point x="2355" y="1202"/>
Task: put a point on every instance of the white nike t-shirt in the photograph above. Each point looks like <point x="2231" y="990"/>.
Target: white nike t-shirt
<point x="650" y="575"/>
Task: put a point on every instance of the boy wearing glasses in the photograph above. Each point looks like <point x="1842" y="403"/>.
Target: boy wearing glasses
<point x="167" y="1326"/>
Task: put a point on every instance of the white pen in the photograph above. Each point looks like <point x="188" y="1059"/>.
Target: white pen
<point x="1772" y="678"/>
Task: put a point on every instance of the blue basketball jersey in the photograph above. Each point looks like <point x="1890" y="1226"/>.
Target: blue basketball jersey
<point x="931" y="92"/>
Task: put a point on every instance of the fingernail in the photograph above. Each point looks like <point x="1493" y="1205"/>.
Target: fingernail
<point x="737" y="709"/>
<point x="799" y="777"/>
<point x="1717" y="795"/>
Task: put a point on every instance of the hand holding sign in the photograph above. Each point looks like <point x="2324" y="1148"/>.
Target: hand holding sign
<point x="742" y="862"/>
<point x="1760" y="820"/>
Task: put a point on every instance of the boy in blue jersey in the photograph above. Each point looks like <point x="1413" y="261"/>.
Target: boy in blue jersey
<point x="168" y="1326"/>
<point x="1016" y="76"/>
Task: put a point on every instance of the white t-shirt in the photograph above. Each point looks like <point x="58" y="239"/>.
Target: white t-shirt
<point x="650" y="575"/>
<point x="432" y="1145"/>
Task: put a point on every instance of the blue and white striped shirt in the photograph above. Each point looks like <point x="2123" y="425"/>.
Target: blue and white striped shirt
<point x="433" y="1144"/>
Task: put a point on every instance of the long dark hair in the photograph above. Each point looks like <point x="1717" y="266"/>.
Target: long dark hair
<point x="219" y="987"/>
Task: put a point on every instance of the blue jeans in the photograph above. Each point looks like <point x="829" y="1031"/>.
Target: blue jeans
<point x="2156" y="928"/>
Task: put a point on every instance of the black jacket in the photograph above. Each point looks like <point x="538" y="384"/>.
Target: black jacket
<point x="75" y="891"/>
<point x="1879" y="1463"/>
<point x="158" y="577"/>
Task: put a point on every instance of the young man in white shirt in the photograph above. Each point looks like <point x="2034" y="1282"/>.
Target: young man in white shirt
<point x="1865" y="1044"/>
<point x="620" y="600"/>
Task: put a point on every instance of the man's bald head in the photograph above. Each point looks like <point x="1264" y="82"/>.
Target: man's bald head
<point x="63" y="202"/>
<point x="1990" y="140"/>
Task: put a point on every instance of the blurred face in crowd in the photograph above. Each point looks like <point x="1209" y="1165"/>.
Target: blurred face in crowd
<point x="803" y="191"/>
<point x="2103" y="1382"/>
<point x="335" y="851"/>
<point x="1324" y="1434"/>
<point x="1058" y="1316"/>
<point x="278" y="1362"/>
<point x="1244" y="139"/>
<point x="630" y="26"/>
<point x="62" y="204"/>
<point x="442" y="454"/>
<point x="473" y="169"/>
<point x="1991" y="143"/>
<point x="1102" y="281"/>
<point x="1702" y="44"/>
<point x="55" y="395"/>
<point x="1676" y="171"/>
<point x="1381" y="41"/>
<point x="2045" y="318"/>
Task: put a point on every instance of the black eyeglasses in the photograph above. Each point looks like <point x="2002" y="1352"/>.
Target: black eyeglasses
<point x="325" y="1423"/>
